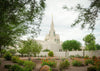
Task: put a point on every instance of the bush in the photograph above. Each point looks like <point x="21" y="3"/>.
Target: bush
<point x="0" y="62"/>
<point x="94" y="57"/>
<point x="78" y="56"/>
<point x="64" y="64"/>
<point x="29" y="65"/>
<point x="63" y="59"/>
<point x="92" y="68"/>
<point x="16" y="68"/>
<point x="89" y="61"/>
<point x="51" y="54"/>
<point x="76" y="63"/>
<point x="15" y="59"/>
<point x="86" y="56"/>
<point x="7" y="56"/>
<point x="20" y="62"/>
<point x="7" y="66"/>
<point x="46" y="50"/>
<point x="49" y="63"/>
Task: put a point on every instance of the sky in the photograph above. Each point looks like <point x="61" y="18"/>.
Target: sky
<point x="63" y="19"/>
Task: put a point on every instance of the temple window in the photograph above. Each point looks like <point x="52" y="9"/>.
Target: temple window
<point x="54" y="33"/>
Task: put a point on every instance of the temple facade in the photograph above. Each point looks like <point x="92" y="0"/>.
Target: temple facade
<point x="52" y="40"/>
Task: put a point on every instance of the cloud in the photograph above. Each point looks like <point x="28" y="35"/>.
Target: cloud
<point x="63" y="20"/>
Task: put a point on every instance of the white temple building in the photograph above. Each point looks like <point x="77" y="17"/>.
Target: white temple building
<point x="52" y="40"/>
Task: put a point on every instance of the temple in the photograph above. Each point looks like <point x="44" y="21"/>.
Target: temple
<point x="52" y="40"/>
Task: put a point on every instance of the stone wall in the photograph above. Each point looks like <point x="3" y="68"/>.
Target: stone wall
<point x="63" y="54"/>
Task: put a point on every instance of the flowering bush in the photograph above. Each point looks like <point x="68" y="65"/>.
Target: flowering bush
<point x="50" y="63"/>
<point x="94" y="57"/>
<point x="97" y="64"/>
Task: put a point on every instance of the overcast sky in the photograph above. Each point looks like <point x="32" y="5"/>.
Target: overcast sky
<point x="63" y="20"/>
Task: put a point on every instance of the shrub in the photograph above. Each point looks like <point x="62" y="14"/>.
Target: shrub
<point x="86" y="56"/>
<point x="20" y="62"/>
<point x="97" y="64"/>
<point x="49" y="63"/>
<point x="0" y="62"/>
<point x="46" y="50"/>
<point x="72" y="56"/>
<point x="16" y="68"/>
<point x="15" y="59"/>
<point x="29" y="65"/>
<point x="63" y="59"/>
<point x="78" y="56"/>
<point x="7" y="56"/>
<point x="76" y="63"/>
<point x="92" y="68"/>
<point x="7" y="66"/>
<point x="89" y="61"/>
<point x="51" y="54"/>
<point x="94" y="57"/>
<point x="64" y="64"/>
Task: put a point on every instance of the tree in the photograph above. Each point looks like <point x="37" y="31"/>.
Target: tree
<point x="21" y="51"/>
<point x="71" y="45"/>
<point x="12" y="51"/>
<point x="31" y="47"/>
<point x="98" y="46"/>
<point x="90" y="42"/>
<point x="16" y="18"/>
<point x="89" y="15"/>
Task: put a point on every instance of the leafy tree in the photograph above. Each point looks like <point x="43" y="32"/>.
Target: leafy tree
<point x="90" y="42"/>
<point x="31" y="47"/>
<point x="98" y="46"/>
<point x="71" y="45"/>
<point x="12" y="51"/>
<point x="21" y="51"/>
<point x="16" y="18"/>
<point x="89" y="15"/>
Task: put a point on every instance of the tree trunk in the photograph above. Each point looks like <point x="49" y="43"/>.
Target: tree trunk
<point x="65" y="53"/>
<point x="83" y="53"/>
<point x="29" y="58"/>
<point x="0" y="52"/>
<point x="34" y="54"/>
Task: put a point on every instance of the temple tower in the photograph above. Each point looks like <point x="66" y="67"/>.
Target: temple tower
<point x="52" y="36"/>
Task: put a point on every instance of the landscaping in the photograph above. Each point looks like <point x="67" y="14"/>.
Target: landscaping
<point x="54" y="63"/>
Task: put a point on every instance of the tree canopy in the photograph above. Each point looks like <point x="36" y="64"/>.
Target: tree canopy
<point x="89" y="15"/>
<point x="16" y="18"/>
<point x="30" y="47"/>
<point x="90" y="42"/>
<point x="98" y="46"/>
<point x="71" y="45"/>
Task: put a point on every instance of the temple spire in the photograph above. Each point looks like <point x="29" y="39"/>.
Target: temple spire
<point x="52" y="31"/>
<point x="52" y="25"/>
